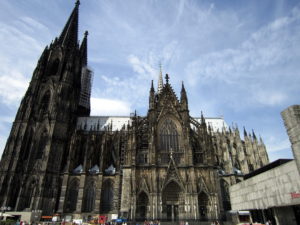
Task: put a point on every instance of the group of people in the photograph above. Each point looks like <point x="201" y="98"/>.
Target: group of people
<point x="215" y="223"/>
<point x="155" y="222"/>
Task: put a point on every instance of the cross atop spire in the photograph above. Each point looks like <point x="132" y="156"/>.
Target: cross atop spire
<point x="167" y="78"/>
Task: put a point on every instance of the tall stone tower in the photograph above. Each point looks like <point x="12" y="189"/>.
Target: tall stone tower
<point x="36" y="150"/>
<point x="291" y="118"/>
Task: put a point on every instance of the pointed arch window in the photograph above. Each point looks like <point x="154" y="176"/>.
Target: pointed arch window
<point x="45" y="102"/>
<point x="89" y="198"/>
<point x="54" y="66"/>
<point x="29" y="194"/>
<point x="72" y="196"/>
<point x="168" y="137"/>
<point x="41" y="145"/>
<point x="107" y="196"/>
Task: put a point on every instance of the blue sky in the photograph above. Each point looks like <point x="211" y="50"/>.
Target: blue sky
<point x="239" y="59"/>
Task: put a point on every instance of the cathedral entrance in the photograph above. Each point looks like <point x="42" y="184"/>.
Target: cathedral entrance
<point x="172" y="213"/>
<point x="141" y="206"/>
<point x="172" y="199"/>
<point x="203" y="206"/>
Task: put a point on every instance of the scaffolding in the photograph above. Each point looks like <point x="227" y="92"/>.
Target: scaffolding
<point x="86" y="84"/>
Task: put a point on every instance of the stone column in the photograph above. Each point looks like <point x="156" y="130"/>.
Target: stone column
<point x="80" y="193"/>
<point x="126" y="190"/>
<point x="98" y="193"/>
<point x="63" y="192"/>
<point x="291" y="118"/>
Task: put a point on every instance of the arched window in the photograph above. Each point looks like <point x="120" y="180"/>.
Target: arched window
<point x="141" y="206"/>
<point x="107" y="196"/>
<point x="41" y="145"/>
<point x="89" y="198"/>
<point x="26" y="147"/>
<point x="225" y="195"/>
<point x="13" y="193"/>
<point x="72" y="194"/>
<point x="54" y="67"/>
<point x="203" y="205"/>
<point x="29" y="194"/>
<point x="45" y="102"/>
<point x="168" y="137"/>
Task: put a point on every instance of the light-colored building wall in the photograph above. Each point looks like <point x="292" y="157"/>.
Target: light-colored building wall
<point x="272" y="188"/>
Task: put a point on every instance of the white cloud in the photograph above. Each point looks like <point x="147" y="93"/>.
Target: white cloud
<point x="143" y="69"/>
<point x="33" y="23"/>
<point x="105" y="107"/>
<point x="270" y="97"/>
<point x="275" y="145"/>
<point x="12" y="87"/>
<point x="259" y="67"/>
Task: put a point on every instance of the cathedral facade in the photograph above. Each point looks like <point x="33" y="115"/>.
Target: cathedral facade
<point x="166" y="165"/>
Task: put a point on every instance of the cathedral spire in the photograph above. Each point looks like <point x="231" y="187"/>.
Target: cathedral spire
<point x="183" y="97"/>
<point x="69" y="35"/>
<point x="253" y="134"/>
<point x="245" y="132"/>
<point x="152" y="87"/>
<point x="83" y="49"/>
<point x="160" y="80"/>
<point x="152" y="96"/>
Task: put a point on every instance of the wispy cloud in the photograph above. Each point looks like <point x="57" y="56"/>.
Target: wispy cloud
<point x="12" y="87"/>
<point x="258" y="67"/>
<point x="109" y="107"/>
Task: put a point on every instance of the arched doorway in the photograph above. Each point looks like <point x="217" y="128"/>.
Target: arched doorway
<point x="203" y="206"/>
<point x="172" y="199"/>
<point x="141" y="206"/>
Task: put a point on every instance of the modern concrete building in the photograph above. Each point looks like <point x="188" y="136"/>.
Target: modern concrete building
<point x="270" y="193"/>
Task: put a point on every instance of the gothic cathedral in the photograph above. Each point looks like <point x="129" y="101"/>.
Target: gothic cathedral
<point x="166" y="165"/>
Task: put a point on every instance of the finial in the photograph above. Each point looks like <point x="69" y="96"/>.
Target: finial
<point x="86" y="33"/>
<point x="77" y="3"/>
<point x="152" y="87"/>
<point x="182" y="86"/>
<point x="167" y="78"/>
